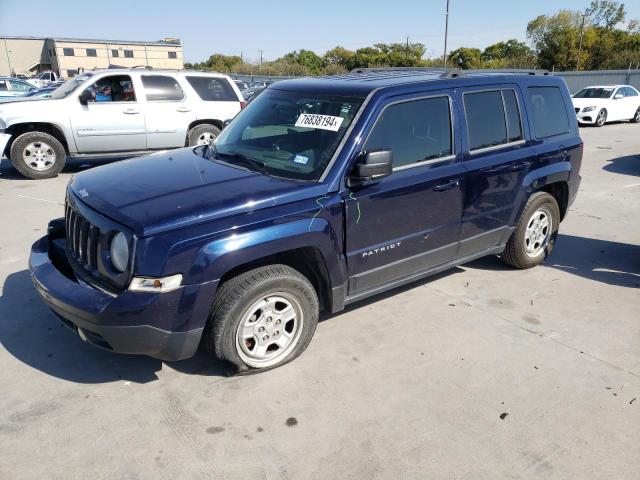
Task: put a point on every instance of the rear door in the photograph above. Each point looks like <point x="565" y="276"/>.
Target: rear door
<point x="168" y="113"/>
<point x="632" y="102"/>
<point x="113" y="120"/>
<point x="497" y="157"/>
<point x="409" y="221"/>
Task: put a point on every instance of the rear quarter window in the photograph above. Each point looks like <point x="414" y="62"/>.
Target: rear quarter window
<point x="548" y="111"/>
<point x="213" y="89"/>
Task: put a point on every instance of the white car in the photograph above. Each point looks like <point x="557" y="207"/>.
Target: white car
<point x="119" y="113"/>
<point x="598" y="105"/>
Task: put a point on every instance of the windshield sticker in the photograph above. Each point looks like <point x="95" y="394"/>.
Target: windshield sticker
<point x="322" y="122"/>
<point x="301" y="159"/>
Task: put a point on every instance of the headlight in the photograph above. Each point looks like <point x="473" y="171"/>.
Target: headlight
<point x="155" y="285"/>
<point x="119" y="252"/>
<point x="589" y="109"/>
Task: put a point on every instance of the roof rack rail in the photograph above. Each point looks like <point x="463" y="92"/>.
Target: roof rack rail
<point x="453" y="72"/>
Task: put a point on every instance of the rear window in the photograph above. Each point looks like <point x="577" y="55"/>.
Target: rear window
<point x="213" y="89"/>
<point x="159" y="88"/>
<point x="549" y="112"/>
<point x="493" y="118"/>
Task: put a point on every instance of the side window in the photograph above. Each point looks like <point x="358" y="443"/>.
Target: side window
<point x="19" y="86"/>
<point x="416" y="130"/>
<point x="630" y="92"/>
<point x="115" y="88"/>
<point x="212" y="89"/>
<point x="172" y="54"/>
<point x="161" y="88"/>
<point x="91" y="52"/>
<point x="3" y="86"/>
<point x="514" y="123"/>
<point x="115" y="53"/>
<point x="548" y="111"/>
<point x="128" y="53"/>
<point x="493" y="118"/>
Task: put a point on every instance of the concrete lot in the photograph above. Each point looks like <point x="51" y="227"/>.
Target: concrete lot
<point x="483" y="372"/>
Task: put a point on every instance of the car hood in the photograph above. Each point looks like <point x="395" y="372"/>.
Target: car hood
<point x="163" y="191"/>
<point x="29" y="109"/>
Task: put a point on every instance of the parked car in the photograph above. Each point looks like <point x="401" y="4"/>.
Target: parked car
<point x="598" y="105"/>
<point x="241" y="85"/>
<point x="12" y="87"/>
<point x="116" y="113"/>
<point x="44" y="78"/>
<point x="320" y="193"/>
<point x="250" y="93"/>
<point x="261" y="84"/>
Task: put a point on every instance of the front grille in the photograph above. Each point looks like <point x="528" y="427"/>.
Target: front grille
<point x="82" y="239"/>
<point x="577" y="110"/>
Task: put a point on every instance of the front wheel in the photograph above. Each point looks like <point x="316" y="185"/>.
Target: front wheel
<point x="263" y="318"/>
<point x="636" y="117"/>
<point x="535" y="233"/>
<point x="37" y="155"/>
<point x="202" y="135"/>
<point x="601" y="119"/>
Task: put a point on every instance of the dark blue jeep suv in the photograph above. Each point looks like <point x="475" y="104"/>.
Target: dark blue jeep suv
<point x="322" y="192"/>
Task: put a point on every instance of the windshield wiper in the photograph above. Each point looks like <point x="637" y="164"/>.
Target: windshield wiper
<point x="249" y="162"/>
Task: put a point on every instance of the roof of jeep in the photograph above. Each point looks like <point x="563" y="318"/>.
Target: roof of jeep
<point x="364" y="82"/>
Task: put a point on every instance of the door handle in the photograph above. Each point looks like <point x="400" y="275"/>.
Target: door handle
<point x="131" y="111"/>
<point x="447" y="186"/>
<point x="183" y="109"/>
<point x="519" y="166"/>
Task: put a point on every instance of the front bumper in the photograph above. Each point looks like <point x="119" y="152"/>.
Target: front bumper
<point x="167" y="325"/>
<point x="4" y="140"/>
<point x="588" y="118"/>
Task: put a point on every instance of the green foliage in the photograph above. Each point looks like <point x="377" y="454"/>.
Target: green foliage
<point x="466" y="58"/>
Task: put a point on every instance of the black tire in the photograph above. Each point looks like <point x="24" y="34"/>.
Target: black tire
<point x="200" y="133"/>
<point x="238" y="295"/>
<point x="46" y="143"/>
<point x="515" y="253"/>
<point x="601" y="119"/>
<point x="636" y="117"/>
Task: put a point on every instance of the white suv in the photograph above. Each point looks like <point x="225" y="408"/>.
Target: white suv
<point x="598" y="105"/>
<point x="120" y="113"/>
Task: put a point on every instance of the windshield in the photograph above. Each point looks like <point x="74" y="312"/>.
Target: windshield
<point x="594" y="93"/>
<point x="69" y="86"/>
<point x="288" y="134"/>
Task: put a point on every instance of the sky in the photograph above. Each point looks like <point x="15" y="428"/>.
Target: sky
<point x="278" y="27"/>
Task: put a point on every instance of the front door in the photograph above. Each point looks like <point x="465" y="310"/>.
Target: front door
<point x="113" y="120"/>
<point x="168" y="115"/>
<point x="408" y="222"/>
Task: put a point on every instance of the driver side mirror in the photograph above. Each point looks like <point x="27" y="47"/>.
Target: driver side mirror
<point x="618" y="96"/>
<point x="372" y="166"/>
<point x="226" y="123"/>
<point x="84" y="97"/>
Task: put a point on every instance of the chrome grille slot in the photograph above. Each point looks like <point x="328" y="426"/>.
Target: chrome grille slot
<point x="82" y="238"/>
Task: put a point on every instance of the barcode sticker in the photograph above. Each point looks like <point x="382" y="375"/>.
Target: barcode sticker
<point x="322" y="122"/>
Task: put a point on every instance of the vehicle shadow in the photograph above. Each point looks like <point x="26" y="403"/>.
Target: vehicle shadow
<point x="613" y="263"/>
<point x="627" y="165"/>
<point x="33" y="335"/>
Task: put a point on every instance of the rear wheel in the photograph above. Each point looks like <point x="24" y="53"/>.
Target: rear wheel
<point x="203" y="134"/>
<point x="37" y="155"/>
<point x="636" y="117"/>
<point x="263" y="318"/>
<point x="535" y="234"/>
<point x="601" y="119"/>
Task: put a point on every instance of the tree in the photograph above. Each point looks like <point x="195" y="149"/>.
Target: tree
<point x="556" y="39"/>
<point x="606" y="13"/>
<point x="506" y="50"/>
<point x="466" y="58"/>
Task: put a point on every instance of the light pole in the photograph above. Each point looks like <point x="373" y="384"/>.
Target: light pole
<point x="580" y="45"/>
<point x="446" y="33"/>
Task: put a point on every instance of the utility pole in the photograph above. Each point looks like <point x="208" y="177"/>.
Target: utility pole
<point x="260" y="60"/>
<point x="446" y="33"/>
<point x="580" y="46"/>
<point x="6" y="50"/>
<point x="407" y="48"/>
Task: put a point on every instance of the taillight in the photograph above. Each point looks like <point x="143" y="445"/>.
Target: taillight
<point x="242" y="105"/>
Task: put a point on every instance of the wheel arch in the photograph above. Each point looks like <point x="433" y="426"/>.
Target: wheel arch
<point x="203" y="121"/>
<point x="18" y="129"/>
